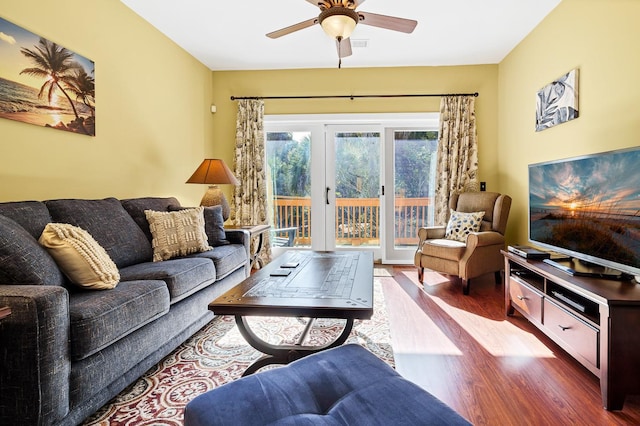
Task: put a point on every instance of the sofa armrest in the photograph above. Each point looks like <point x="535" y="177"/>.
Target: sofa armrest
<point x="237" y="236"/>
<point x="34" y="349"/>
<point x="241" y="236"/>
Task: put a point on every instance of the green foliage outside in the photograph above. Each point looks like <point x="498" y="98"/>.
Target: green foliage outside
<point x="357" y="164"/>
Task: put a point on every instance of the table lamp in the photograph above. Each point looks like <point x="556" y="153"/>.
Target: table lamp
<point x="214" y="172"/>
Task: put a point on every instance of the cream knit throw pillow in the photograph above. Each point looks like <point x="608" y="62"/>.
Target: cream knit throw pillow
<point x="177" y="233"/>
<point x="80" y="257"/>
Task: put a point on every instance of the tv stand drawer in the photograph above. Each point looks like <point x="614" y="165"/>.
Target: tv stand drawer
<point x="579" y="337"/>
<point x="525" y="299"/>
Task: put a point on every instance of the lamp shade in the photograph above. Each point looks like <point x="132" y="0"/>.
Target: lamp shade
<point x="214" y="172"/>
<point x="338" y="22"/>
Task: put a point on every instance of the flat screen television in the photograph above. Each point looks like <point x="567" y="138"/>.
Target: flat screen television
<point x="587" y="209"/>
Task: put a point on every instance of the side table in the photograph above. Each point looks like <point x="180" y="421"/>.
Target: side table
<point x="254" y="231"/>
<point x="5" y="311"/>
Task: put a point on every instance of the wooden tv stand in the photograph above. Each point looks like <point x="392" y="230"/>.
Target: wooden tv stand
<point x="596" y="321"/>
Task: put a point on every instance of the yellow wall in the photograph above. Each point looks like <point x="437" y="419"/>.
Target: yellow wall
<point x="362" y="81"/>
<point x="600" y="38"/>
<point x="153" y="122"/>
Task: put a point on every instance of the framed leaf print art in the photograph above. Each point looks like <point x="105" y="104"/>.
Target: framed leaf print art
<point x="44" y="83"/>
<point x="557" y="102"/>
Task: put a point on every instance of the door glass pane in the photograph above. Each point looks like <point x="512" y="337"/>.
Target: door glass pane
<point x="357" y="186"/>
<point x="289" y="188"/>
<point x="414" y="177"/>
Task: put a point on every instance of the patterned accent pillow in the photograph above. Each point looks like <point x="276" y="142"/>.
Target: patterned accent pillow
<point x="462" y="224"/>
<point x="177" y="233"/>
<point x="213" y="224"/>
<point x="80" y="257"/>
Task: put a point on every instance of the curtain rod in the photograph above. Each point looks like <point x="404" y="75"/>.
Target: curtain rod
<point x="352" y="97"/>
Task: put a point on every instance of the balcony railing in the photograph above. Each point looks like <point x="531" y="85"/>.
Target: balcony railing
<point x="356" y="221"/>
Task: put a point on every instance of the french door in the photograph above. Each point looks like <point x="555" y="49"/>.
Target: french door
<point x="341" y="183"/>
<point x="353" y="187"/>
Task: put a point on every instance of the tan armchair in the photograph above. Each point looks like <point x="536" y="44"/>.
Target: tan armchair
<point x="480" y="254"/>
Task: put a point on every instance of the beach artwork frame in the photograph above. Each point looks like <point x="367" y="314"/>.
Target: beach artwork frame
<point x="557" y="102"/>
<point x="44" y="83"/>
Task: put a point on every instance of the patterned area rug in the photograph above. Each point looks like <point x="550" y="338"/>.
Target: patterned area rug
<point x="218" y="354"/>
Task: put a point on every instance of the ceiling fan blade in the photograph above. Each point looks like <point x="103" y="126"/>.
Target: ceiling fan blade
<point x="295" y="27"/>
<point x="344" y="48"/>
<point x="388" y="22"/>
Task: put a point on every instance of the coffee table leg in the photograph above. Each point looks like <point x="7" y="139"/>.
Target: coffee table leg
<point x="284" y="354"/>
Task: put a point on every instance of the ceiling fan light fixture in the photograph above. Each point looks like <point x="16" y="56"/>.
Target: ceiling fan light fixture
<point x="338" y="22"/>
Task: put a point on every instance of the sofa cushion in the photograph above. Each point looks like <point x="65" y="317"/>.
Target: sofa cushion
<point x="109" y="223"/>
<point x="33" y="216"/>
<point x="79" y="256"/>
<point x="182" y="276"/>
<point x="136" y="207"/>
<point x="100" y="318"/>
<point x="22" y="259"/>
<point x="225" y="258"/>
<point x="177" y="233"/>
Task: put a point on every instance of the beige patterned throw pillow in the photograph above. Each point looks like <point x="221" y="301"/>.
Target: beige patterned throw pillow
<point x="80" y="257"/>
<point x="462" y="224"/>
<point x="177" y="233"/>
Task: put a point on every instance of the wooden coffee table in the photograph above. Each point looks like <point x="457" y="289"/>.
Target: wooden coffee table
<point x="322" y="285"/>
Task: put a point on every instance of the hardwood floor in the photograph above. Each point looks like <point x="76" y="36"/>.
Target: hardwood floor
<point x="492" y="369"/>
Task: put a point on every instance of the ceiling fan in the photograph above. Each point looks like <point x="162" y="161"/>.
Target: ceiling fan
<point x="338" y="18"/>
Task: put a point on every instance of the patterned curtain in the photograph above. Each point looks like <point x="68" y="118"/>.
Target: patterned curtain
<point x="250" y="197"/>
<point x="457" y="167"/>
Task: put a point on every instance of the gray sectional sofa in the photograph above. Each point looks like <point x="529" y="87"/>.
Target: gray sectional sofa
<point x="66" y="351"/>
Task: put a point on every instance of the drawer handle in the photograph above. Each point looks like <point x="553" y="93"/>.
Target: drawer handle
<point x="563" y="328"/>
<point x="521" y="297"/>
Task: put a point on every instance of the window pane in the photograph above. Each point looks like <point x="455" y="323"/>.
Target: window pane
<point x="289" y="187"/>
<point x="357" y="189"/>
<point x="414" y="176"/>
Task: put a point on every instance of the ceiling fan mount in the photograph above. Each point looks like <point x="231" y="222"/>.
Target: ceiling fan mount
<point x="338" y="18"/>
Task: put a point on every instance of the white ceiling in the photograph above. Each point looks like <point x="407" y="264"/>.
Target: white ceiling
<point x="230" y="35"/>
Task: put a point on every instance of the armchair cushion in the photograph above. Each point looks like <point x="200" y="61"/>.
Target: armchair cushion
<point x="444" y="248"/>
<point x="462" y="224"/>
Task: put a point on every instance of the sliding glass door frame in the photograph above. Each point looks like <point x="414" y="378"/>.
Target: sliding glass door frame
<point x="323" y="215"/>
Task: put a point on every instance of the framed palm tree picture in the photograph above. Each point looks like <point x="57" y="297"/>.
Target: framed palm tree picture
<point x="557" y="102"/>
<point x="45" y="84"/>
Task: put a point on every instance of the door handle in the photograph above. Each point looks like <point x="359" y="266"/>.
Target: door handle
<point x="326" y="196"/>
